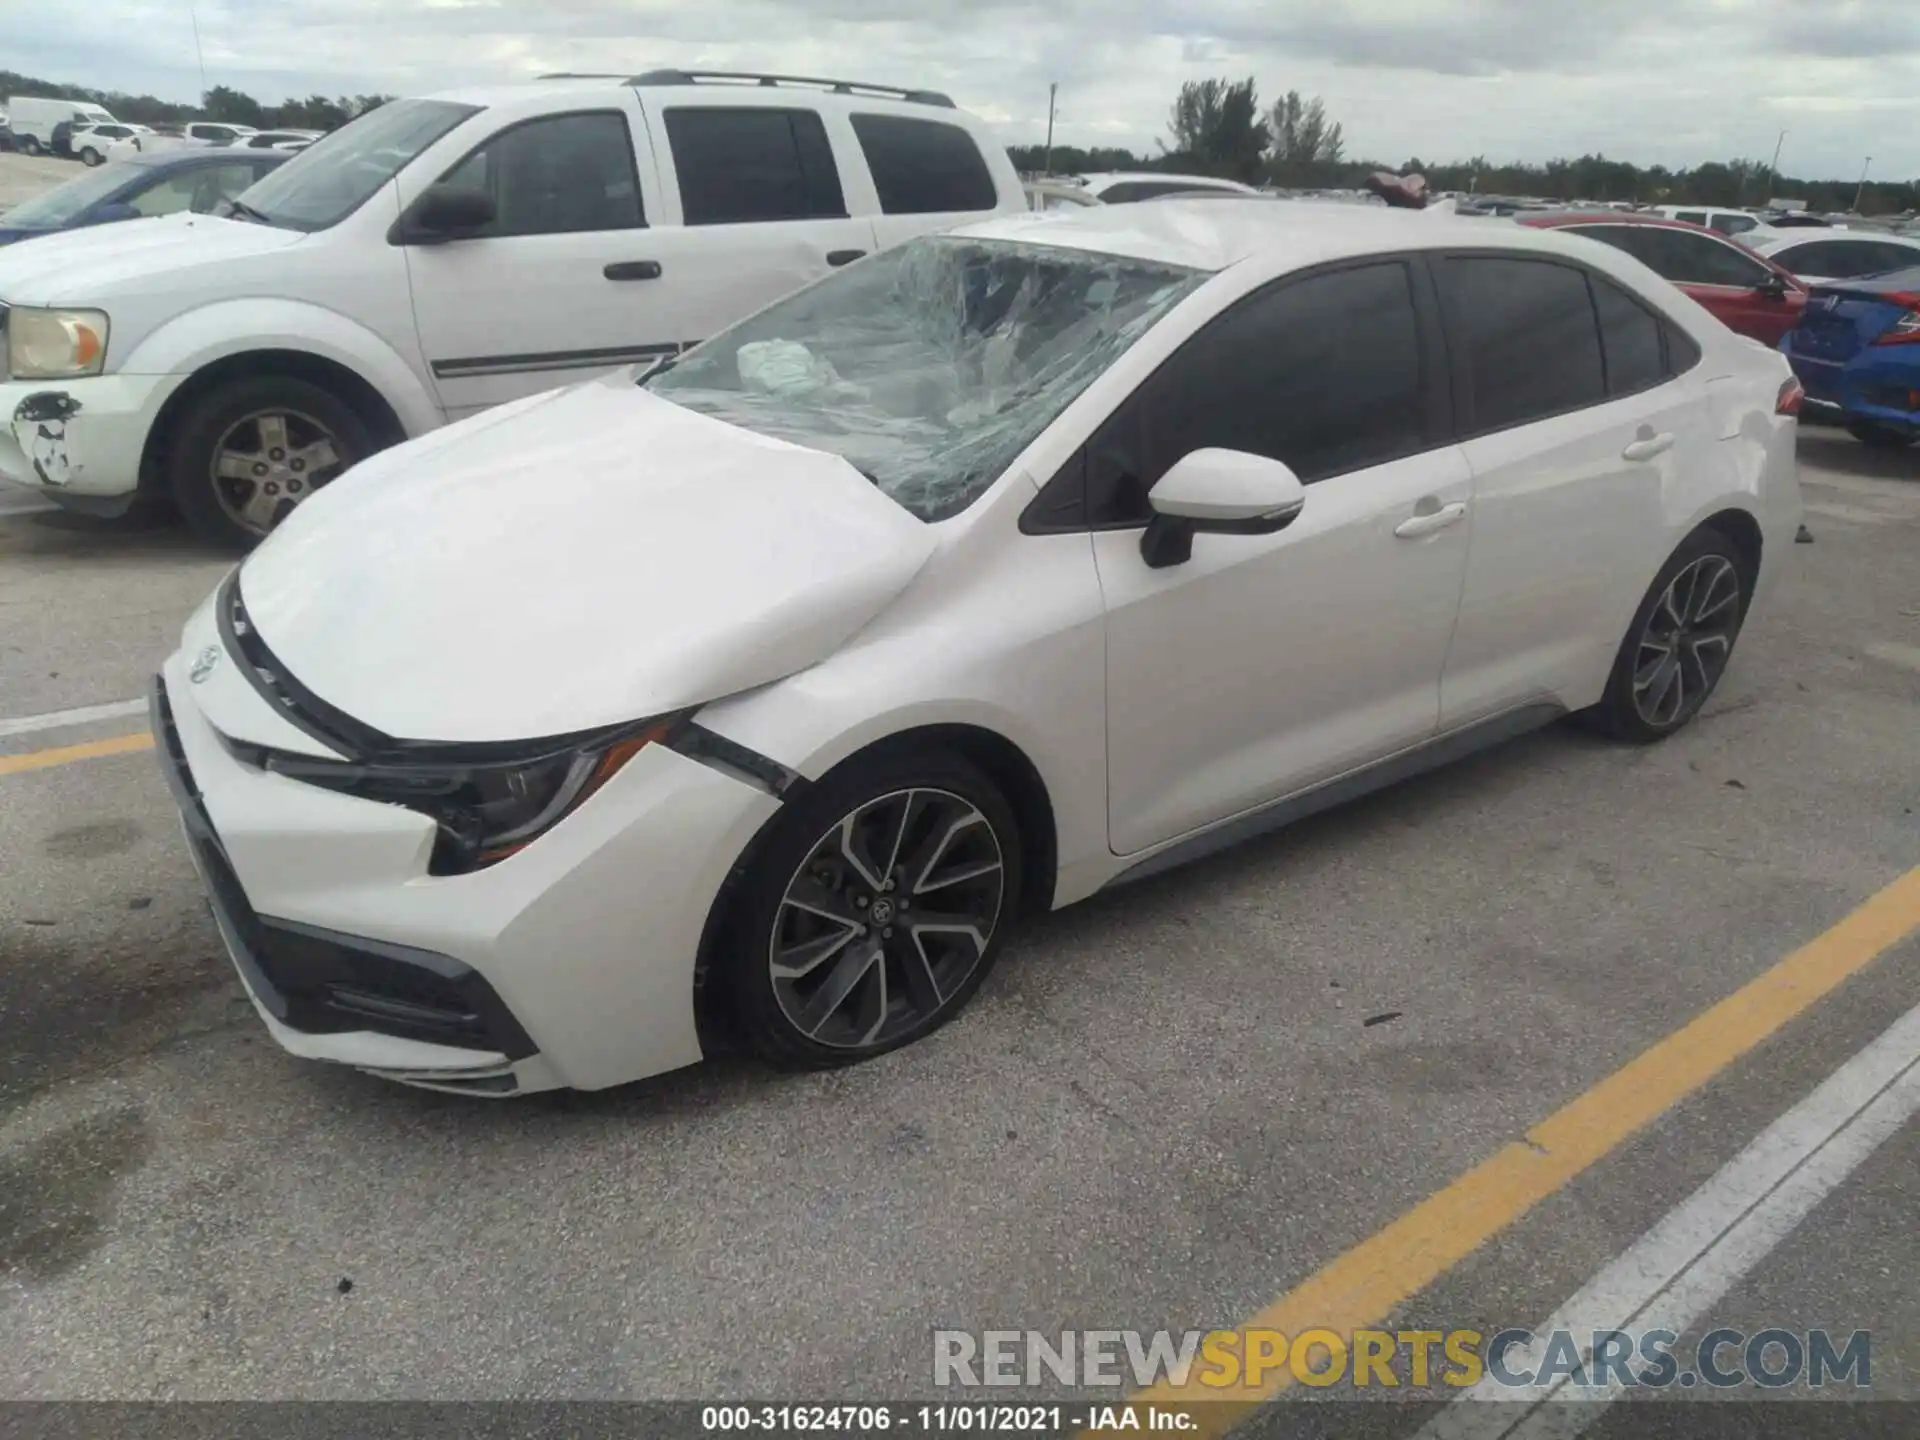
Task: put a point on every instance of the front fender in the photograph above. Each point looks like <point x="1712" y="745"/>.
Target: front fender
<point x="190" y="342"/>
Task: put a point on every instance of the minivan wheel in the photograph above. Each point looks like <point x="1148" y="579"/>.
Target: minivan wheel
<point x="248" y="453"/>
<point x="90" y="157"/>
<point x="874" y="912"/>
<point x="1680" y="641"/>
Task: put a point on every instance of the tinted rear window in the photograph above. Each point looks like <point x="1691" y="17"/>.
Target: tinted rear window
<point x="739" y="166"/>
<point x="1533" y="349"/>
<point x="924" y="167"/>
<point x="1630" y="339"/>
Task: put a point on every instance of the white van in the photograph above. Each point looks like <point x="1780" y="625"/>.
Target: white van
<point x="33" y="119"/>
<point x="438" y="256"/>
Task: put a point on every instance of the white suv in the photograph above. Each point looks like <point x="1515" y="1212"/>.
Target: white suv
<point x="438" y="256"/>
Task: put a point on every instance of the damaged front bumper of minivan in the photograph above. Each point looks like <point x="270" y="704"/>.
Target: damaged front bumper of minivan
<point x="80" y="443"/>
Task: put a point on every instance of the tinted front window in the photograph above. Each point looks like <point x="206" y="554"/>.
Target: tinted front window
<point x="924" y="167"/>
<point x="1882" y="257"/>
<point x="1732" y="224"/>
<point x="1630" y="339"/>
<point x="335" y="176"/>
<point x="931" y="365"/>
<point x="1689" y="259"/>
<point x="1528" y="331"/>
<point x="556" y="176"/>
<point x="737" y="166"/>
<point x="1322" y="373"/>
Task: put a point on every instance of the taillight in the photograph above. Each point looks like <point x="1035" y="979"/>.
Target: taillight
<point x="1906" y="330"/>
<point x="1787" y="402"/>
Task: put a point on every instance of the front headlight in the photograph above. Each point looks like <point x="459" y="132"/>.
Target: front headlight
<point x="55" y="344"/>
<point x="486" y="808"/>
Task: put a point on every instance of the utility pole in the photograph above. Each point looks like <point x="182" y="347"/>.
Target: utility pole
<point x="198" y="55"/>
<point x="1046" y="166"/>
<point x="1773" y="170"/>
<point x="1863" y="186"/>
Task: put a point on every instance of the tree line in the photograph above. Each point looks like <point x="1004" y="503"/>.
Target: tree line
<point x="1218" y="127"/>
<point x="236" y="107"/>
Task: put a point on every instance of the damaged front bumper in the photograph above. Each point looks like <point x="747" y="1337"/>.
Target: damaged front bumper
<point x="80" y="442"/>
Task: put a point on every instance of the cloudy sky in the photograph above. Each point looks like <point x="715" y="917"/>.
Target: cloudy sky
<point x="1669" y="81"/>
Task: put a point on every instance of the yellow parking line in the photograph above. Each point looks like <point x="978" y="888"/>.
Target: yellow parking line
<point x="1362" y="1288"/>
<point x="67" y="754"/>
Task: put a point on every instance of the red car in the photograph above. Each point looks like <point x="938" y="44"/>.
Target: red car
<point x="1749" y="293"/>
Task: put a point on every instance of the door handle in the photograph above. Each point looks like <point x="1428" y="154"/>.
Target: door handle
<point x="837" y="258"/>
<point x="1432" y="520"/>
<point x="1648" y="445"/>
<point x="633" y="270"/>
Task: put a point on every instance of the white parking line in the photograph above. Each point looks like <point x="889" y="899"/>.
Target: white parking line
<point x="1687" y="1262"/>
<point x="84" y="715"/>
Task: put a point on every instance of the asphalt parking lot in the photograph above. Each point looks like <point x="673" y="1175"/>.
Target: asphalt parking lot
<point x="1167" y="1107"/>
<point x="24" y="176"/>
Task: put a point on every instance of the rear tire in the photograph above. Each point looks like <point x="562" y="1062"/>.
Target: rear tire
<point x="248" y="452"/>
<point x="1879" y="437"/>
<point x="30" y="144"/>
<point x="1679" y="643"/>
<point x="823" y="966"/>
<point x="90" y="157"/>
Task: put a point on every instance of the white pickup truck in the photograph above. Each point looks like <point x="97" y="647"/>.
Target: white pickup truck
<point x="441" y="255"/>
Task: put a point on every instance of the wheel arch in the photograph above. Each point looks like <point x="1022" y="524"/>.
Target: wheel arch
<point x="1742" y="528"/>
<point x="353" y="389"/>
<point x="215" y="343"/>
<point x="1003" y="762"/>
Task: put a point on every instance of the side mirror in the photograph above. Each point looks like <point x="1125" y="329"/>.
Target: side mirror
<point x="1774" y="287"/>
<point x="1218" y="492"/>
<point x="442" y="213"/>
<point x="117" y="210"/>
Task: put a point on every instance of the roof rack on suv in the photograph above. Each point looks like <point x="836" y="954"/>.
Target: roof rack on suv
<point x="838" y="87"/>
<point x="580" y="75"/>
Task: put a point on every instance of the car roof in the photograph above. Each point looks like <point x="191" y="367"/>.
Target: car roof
<point x="1811" y="236"/>
<point x="751" y="89"/>
<point x="1547" y="219"/>
<point x="1213" y="235"/>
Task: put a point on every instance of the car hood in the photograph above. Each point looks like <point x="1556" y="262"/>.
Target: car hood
<point x="92" y="261"/>
<point x="586" y="557"/>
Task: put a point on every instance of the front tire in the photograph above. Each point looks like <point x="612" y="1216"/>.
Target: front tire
<point x="248" y="453"/>
<point x="874" y="911"/>
<point x="90" y="157"/>
<point x="1679" y="643"/>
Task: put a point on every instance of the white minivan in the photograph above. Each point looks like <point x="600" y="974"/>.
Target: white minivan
<point x="34" y="118"/>
<point x="441" y="255"/>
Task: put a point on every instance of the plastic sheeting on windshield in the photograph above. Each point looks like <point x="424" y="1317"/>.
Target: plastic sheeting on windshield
<point x="929" y="367"/>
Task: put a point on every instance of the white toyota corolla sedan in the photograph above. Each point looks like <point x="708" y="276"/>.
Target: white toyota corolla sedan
<point x="754" y="698"/>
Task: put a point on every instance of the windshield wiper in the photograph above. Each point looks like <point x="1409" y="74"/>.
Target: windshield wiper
<point x="658" y="368"/>
<point x="247" y="212"/>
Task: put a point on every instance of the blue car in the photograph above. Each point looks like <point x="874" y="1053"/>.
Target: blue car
<point x="141" y="187"/>
<point x="1857" y="353"/>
